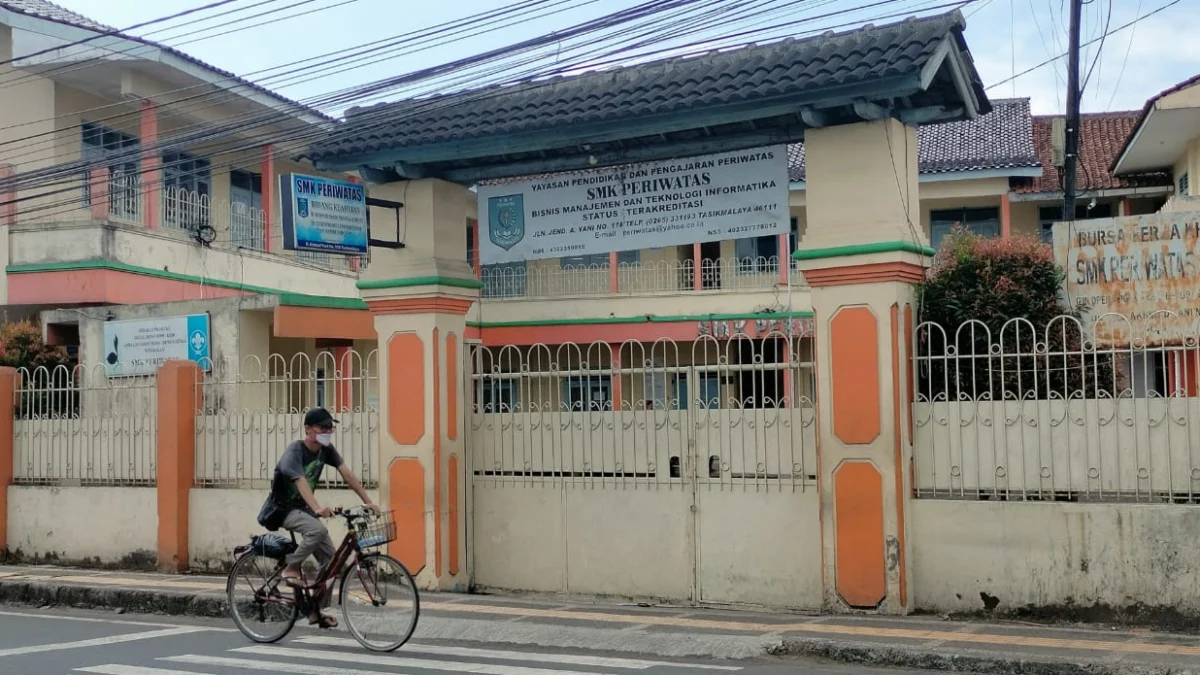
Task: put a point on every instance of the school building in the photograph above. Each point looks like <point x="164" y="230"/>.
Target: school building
<point x="737" y="421"/>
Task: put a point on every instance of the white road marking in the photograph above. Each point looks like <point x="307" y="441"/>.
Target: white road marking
<point x="115" y="669"/>
<point x="400" y="661"/>
<point x="268" y="666"/>
<point x="468" y="652"/>
<point x="116" y="622"/>
<point x="103" y="641"/>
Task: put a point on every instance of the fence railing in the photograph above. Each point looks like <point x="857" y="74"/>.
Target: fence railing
<point x="1045" y="413"/>
<point x="719" y="414"/>
<point x="254" y="408"/>
<point x="76" y="426"/>
<point x="234" y="224"/>
<point x="659" y="276"/>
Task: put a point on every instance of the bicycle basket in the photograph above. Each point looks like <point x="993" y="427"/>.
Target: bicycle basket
<point x="272" y="545"/>
<point x="377" y="532"/>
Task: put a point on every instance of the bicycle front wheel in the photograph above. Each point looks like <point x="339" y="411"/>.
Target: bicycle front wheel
<point x="263" y="607"/>
<point x="379" y="602"/>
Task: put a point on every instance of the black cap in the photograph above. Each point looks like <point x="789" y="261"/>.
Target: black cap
<point x="319" y="417"/>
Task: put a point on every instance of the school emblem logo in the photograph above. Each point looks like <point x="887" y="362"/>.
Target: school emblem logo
<point x="302" y="208"/>
<point x="506" y="220"/>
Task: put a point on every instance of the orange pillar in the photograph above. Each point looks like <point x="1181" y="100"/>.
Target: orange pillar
<point x="8" y="394"/>
<point x="614" y="279"/>
<point x="178" y="384"/>
<point x="268" y="195"/>
<point x="697" y="260"/>
<point x="151" y="166"/>
<point x="98" y="186"/>
<point x="8" y="204"/>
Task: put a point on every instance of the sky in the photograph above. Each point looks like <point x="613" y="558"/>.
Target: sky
<point x="1006" y="37"/>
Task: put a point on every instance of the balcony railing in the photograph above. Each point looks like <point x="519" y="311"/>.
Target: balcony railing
<point x="234" y="225"/>
<point x="640" y="278"/>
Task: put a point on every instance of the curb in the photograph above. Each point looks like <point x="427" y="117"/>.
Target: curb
<point x="137" y="601"/>
<point x="961" y="661"/>
<point x="170" y="603"/>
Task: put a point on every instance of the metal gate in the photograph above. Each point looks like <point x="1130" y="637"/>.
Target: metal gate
<point x="713" y="440"/>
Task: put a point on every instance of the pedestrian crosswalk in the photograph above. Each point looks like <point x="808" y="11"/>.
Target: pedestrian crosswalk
<point x="330" y="655"/>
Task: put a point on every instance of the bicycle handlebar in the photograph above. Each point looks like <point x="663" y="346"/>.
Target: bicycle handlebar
<point x="352" y="512"/>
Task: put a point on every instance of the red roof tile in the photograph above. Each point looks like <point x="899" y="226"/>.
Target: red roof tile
<point x="1102" y="135"/>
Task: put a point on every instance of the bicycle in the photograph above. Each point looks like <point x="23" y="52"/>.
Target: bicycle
<point x="356" y="564"/>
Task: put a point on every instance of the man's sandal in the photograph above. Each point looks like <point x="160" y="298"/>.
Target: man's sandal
<point x="324" y="622"/>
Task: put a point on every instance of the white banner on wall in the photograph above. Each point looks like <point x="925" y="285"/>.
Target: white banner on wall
<point x="137" y="347"/>
<point x="730" y="195"/>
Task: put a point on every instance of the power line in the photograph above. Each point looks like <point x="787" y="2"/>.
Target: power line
<point x="1114" y="31"/>
<point x="390" y="115"/>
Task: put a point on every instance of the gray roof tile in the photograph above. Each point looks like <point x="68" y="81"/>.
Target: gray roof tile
<point x="756" y="73"/>
<point x="1001" y="139"/>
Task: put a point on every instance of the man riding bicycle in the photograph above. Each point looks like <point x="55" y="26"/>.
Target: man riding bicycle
<point x="293" y="506"/>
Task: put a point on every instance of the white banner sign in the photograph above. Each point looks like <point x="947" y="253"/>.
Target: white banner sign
<point x="731" y="195"/>
<point x="137" y="347"/>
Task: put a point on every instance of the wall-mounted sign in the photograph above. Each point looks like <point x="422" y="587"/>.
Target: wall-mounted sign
<point x="731" y="195"/>
<point x="137" y="347"/>
<point x="799" y="327"/>
<point x="1135" y="277"/>
<point x="323" y="215"/>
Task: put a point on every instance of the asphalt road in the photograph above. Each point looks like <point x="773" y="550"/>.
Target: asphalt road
<point x="48" y="642"/>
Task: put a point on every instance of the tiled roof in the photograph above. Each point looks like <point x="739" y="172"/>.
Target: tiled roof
<point x="1001" y="139"/>
<point x="1101" y="137"/>
<point x="753" y="74"/>
<point x="43" y="9"/>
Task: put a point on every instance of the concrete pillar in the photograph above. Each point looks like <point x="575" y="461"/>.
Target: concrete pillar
<point x="178" y="400"/>
<point x="862" y="254"/>
<point x="151" y="166"/>
<point x="419" y="297"/>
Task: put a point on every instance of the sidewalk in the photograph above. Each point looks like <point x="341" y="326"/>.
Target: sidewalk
<point x="920" y="642"/>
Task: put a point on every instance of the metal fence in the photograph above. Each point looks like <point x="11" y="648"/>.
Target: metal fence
<point x="721" y="414"/>
<point x="76" y="426"/>
<point x="546" y="280"/>
<point x="253" y="409"/>
<point x="1046" y="413"/>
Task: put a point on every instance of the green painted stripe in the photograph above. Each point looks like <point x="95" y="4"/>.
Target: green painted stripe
<point x="637" y="319"/>
<point x="863" y="249"/>
<point x="455" y="282"/>
<point x="285" y="297"/>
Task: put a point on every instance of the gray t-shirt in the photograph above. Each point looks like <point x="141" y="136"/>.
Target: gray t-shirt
<point x="300" y="462"/>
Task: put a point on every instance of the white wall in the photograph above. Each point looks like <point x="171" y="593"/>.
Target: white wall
<point x="83" y="523"/>
<point x="1052" y="555"/>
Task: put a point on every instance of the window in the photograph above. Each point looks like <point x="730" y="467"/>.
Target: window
<point x="984" y="222"/>
<point x="497" y="396"/>
<point x="590" y="392"/>
<point x="761" y="254"/>
<point x="320" y="382"/>
<point x="598" y="259"/>
<point x="503" y="280"/>
<point x="101" y="144"/>
<point x="707" y="395"/>
<point x="187" y="185"/>
<point x="470" y="244"/>
<point x="1048" y="215"/>
<point x="1183" y="185"/>
<point x="245" y="214"/>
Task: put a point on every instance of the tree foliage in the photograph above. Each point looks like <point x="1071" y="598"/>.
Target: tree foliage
<point x="1000" y="328"/>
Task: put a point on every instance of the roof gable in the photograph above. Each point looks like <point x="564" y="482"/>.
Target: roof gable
<point x="49" y="11"/>
<point x="918" y="67"/>
<point x="1101" y="139"/>
<point x="1001" y="139"/>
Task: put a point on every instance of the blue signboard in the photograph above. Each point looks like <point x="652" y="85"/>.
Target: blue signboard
<point x="323" y="215"/>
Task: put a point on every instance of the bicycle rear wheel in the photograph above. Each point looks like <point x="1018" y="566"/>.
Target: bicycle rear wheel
<point x="379" y="602"/>
<point x="262" y="605"/>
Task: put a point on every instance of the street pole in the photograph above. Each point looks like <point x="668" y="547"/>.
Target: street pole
<point x="1071" y="151"/>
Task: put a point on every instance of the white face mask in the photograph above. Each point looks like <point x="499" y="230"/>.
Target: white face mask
<point x="324" y="439"/>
